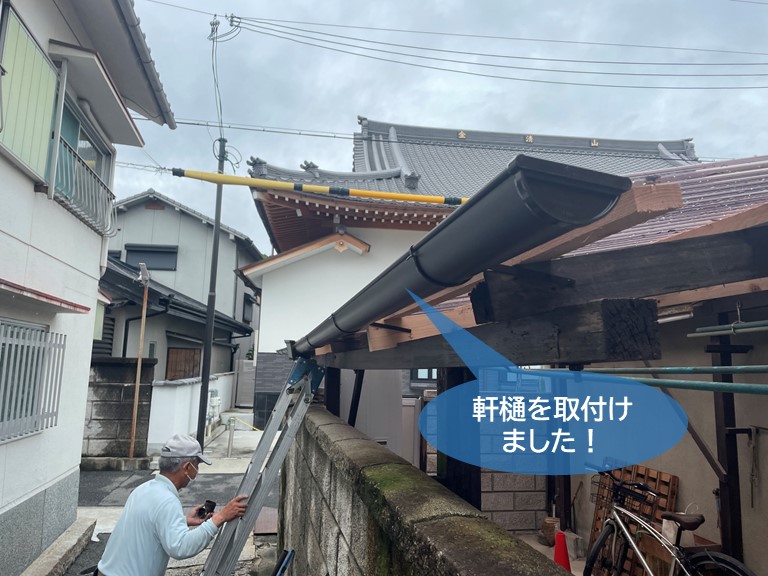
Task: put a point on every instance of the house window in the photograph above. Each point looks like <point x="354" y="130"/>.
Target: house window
<point x="116" y="254"/>
<point x="31" y="361"/>
<point x="156" y="257"/>
<point x="424" y="375"/>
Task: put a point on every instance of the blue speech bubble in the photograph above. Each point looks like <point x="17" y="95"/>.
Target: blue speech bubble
<point x="544" y="421"/>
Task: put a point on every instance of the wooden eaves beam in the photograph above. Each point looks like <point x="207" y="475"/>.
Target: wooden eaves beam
<point x="639" y="272"/>
<point x="604" y="331"/>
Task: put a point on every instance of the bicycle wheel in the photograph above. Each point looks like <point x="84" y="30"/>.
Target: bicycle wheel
<point x="608" y="554"/>
<point x="716" y="564"/>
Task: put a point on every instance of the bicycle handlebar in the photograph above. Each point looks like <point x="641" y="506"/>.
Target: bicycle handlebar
<point x="620" y="482"/>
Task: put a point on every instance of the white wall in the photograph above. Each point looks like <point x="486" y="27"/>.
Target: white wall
<point x="45" y="248"/>
<point x="300" y="296"/>
<point x="175" y="406"/>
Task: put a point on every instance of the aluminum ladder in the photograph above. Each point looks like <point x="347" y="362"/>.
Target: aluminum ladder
<point x="268" y="458"/>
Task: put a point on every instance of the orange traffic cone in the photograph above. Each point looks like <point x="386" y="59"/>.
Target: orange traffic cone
<point x="561" y="551"/>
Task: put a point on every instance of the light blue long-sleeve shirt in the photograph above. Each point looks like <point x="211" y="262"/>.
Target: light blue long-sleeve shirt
<point x="152" y="529"/>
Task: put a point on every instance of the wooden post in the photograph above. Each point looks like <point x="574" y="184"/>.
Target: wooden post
<point x="138" y="362"/>
<point x="333" y="391"/>
<point x="727" y="454"/>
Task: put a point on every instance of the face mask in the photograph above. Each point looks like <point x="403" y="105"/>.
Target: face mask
<point x="196" y="473"/>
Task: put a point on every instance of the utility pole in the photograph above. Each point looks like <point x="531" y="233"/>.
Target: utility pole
<point x="202" y="413"/>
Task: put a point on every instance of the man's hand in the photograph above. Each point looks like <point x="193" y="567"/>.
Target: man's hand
<point x="192" y="517"/>
<point x="235" y="508"/>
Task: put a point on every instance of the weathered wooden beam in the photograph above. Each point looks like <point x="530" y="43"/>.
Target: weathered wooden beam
<point x="639" y="272"/>
<point x="604" y="331"/>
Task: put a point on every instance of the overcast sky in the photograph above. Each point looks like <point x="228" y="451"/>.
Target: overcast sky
<point x="270" y="82"/>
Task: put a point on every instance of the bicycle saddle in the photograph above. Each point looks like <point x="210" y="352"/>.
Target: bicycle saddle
<point x="685" y="521"/>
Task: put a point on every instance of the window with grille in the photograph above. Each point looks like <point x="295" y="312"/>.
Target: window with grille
<point x="31" y="363"/>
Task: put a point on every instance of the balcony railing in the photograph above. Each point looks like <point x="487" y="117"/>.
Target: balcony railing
<point x="80" y="190"/>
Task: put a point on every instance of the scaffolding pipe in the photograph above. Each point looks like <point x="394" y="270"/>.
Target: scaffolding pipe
<point x="313" y="188"/>
<point x="755" y="369"/>
<point x="729" y="329"/>
<point x="531" y="202"/>
<point x="734" y="387"/>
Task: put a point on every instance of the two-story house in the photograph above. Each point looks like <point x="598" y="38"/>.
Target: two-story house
<point x="70" y="73"/>
<point x="175" y="243"/>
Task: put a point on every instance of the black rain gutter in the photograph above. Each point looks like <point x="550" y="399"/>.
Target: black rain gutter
<point x="532" y="202"/>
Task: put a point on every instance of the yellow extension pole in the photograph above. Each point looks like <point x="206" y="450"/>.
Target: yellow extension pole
<point x="313" y="188"/>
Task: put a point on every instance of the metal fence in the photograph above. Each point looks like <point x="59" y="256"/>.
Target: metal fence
<point x="81" y="191"/>
<point x="31" y="364"/>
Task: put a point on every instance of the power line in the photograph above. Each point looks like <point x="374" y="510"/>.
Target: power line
<point x="180" y="7"/>
<point x="144" y="167"/>
<point x="498" y="77"/>
<point x="483" y="36"/>
<point x="213" y="37"/>
<point x="517" y="38"/>
<point x="492" y="55"/>
<point x="256" y="28"/>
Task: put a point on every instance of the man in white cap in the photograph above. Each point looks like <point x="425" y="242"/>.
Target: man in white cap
<point x="153" y="527"/>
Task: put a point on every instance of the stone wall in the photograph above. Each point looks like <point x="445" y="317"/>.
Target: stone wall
<point x="109" y="411"/>
<point x="517" y="502"/>
<point x="351" y="507"/>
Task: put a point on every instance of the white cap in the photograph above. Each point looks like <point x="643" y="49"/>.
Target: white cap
<point x="183" y="446"/>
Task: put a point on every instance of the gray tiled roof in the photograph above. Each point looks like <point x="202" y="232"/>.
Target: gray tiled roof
<point x="459" y="162"/>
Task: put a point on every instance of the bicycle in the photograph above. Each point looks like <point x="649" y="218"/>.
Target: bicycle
<point x="636" y="503"/>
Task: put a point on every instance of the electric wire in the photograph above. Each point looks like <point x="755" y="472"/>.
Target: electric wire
<point x="256" y="28"/>
<point x="498" y="77"/>
<point x="514" y="38"/>
<point x="234" y="19"/>
<point x="483" y="36"/>
<point x="213" y="37"/>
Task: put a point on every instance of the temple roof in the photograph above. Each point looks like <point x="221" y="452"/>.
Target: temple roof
<point x="459" y="162"/>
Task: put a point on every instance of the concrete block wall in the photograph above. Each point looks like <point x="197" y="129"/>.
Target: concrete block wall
<point x="109" y="409"/>
<point x="517" y="502"/>
<point x="351" y="507"/>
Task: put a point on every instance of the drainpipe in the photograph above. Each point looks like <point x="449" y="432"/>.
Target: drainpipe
<point x="531" y="202"/>
<point x="150" y="315"/>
